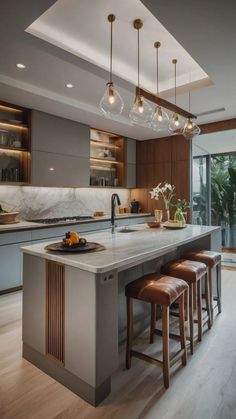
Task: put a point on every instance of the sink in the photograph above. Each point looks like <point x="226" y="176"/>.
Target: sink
<point x="127" y="230"/>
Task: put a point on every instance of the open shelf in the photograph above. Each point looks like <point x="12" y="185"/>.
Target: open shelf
<point x="106" y="159"/>
<point x="6" y="147"/>
<point x="14" y="144"/>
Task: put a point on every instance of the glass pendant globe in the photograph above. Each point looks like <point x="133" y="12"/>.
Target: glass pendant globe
<point x="111" y="103"/>
<point x="191" y="129"/>
<point x="141" y="112"/>
<point x="160" y="120"/>
<point x="176" y="125"/>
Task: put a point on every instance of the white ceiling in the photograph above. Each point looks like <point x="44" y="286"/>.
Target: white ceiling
<point x="82" y="29"/>
<point x="205" y="29"/>
<point x="215" y="143"/>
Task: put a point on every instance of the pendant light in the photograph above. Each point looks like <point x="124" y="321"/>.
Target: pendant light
<point x="190" y="128"/>
<point x="176" y="124"/>
<point x="141" y="112"/>
<point x="160" y="120"/>
<point x="111" y="102"/>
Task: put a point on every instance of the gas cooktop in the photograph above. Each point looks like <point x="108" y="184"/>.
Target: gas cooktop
<point x="61" y="219"/>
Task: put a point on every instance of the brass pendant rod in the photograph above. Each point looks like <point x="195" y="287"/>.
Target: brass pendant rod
<point x="174" y="61"/>
<point x="111" y="18"/>
<point x="138" y="24"/>
<point x="138" y="61"/>
<point x="157" y="46"/>
<point x="164" y="103"/>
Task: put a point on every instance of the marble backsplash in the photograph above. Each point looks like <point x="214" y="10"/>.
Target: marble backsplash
<point x="36" y="202"/>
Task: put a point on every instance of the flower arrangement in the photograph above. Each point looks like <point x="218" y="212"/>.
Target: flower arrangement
<point x="166" y="191"/>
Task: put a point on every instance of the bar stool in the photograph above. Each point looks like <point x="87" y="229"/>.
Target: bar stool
<point x="162" y="290"/>
<point x="192" y="272"/>
<point x="211" y="260"/>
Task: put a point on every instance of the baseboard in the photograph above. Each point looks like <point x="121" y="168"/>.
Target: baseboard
<point x="8" y="290"/>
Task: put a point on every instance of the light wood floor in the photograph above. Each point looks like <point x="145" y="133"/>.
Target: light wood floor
<point x="205" y="389"/>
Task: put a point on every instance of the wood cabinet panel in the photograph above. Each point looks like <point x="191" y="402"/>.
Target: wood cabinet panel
<point x="163" y="160"/>
<point x="180" y="148"/>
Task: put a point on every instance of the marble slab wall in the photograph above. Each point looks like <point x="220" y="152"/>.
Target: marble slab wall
<point x="35" y="202"/>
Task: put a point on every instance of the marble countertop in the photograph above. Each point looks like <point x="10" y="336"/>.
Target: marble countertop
<point x="124" y="249"/>
<point x="29" y="225"/>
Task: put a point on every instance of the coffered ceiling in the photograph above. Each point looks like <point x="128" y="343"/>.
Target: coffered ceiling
<point x="68" y="41"/>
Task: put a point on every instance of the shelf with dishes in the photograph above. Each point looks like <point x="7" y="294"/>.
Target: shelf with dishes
<point x="106" y="159"/>
<point x="14" y="144"/>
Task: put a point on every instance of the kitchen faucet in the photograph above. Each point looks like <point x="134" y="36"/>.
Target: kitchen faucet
<point x="115" y="197"/>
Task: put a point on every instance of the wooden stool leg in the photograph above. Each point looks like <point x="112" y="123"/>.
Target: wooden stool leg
<point x="191" y="320"/>
<point x="129" y="303"/>
<point x="218" y="285"/>
<point x="186" y="305"/>
<point x="199" y="309"/>
<point x="153" y="321"/>
<point x="208" y="306"/>
<point x="181" y="328"/>
<point x="165" y="343"/>
<point x="211" y="294"/>
<point x="194" y="296"/>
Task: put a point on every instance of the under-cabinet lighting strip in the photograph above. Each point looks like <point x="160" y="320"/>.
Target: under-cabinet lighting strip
<point x="9" y="109"/>
<point x="105" y="161"/>
<point x="12" y="126"/>
<point x="103" y="144"/>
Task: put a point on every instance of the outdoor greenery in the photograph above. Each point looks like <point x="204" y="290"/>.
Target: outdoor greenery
<point x="223" y="190"/>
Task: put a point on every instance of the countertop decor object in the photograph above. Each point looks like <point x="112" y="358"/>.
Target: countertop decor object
<point x="8" y="217"/>
<point x="174" y="225"/>
<point x="99" y="214"/>
<point x="88" y="247"/>
<point x="153" y="224"/>
<point x="166" y="191"/>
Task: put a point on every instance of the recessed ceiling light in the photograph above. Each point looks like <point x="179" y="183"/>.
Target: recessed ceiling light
<point x="51" y="169"/>
<point x="21" y="66"/>
<point x="69" y="85"/>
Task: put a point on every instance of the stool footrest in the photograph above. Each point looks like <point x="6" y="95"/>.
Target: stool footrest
<point x="147" y="358"/>
<point x="177" y="356"/>
<point x="171" y="335"/>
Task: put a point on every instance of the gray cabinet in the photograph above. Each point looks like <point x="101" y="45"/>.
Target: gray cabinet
<point x="60" y="151"/>
<point x="52" y="169"/>
<point x="10" y="258"/>
<point x="131" y="163"/>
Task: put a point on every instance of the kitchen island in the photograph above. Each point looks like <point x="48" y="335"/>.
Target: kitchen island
<point x="74" y="305"/>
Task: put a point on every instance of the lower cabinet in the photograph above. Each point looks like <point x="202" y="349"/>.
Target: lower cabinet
<point x="10" y="262"/>
<point x="11" y="243"/>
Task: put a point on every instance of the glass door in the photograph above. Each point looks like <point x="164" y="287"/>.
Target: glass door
<point x="200" y="191"/>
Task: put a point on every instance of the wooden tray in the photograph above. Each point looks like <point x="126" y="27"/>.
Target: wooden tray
<point x="173" y="227"/>
<point x="88" y="247"/>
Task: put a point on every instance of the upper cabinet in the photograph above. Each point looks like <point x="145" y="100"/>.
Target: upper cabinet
<point x="60" y="151"/>
<point x="112" y="160"/>
<point x="14" y="144"/>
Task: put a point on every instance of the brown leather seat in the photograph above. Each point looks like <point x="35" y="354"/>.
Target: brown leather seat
<point x="190" y="271"/>
<point x="156" y="289"/>
<point x="164" y="290"/>
<point x="208" y="257"/>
